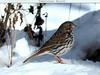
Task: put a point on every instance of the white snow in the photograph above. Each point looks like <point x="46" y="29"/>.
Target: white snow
<point x="22" y="47"/>
<point x="48" y="68"/>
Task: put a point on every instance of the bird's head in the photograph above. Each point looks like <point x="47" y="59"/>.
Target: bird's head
<point x="68" y="26"/>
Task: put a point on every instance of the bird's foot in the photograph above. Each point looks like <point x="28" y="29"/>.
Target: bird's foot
<point x="59" y="60"/>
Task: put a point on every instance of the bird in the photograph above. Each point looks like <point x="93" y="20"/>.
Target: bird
<point x="60" y="42"/>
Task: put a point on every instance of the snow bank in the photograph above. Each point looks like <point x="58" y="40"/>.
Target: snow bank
<point x="87" y="35"/>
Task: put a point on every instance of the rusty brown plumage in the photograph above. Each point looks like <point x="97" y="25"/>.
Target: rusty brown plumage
<point x="60" y="43"/>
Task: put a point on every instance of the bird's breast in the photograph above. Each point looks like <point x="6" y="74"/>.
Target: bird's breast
<point x="64" y="46"/>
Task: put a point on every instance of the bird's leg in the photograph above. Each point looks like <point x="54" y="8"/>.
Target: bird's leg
<point x="58" y="59"/>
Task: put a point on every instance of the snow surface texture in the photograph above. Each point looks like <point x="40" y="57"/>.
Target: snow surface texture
<point x="87" y="34"/>
<point x="48" y="68"/>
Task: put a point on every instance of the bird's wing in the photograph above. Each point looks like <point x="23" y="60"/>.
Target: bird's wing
<point x="57" y="38"/>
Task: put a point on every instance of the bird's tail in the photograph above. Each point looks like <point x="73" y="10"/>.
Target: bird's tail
<point x="43" y="50"/>
<point x="32" y="55"/>
<point x="37" y="53"/>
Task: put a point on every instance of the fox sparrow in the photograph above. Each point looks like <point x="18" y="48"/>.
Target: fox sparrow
<point x="60" y="43"/>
